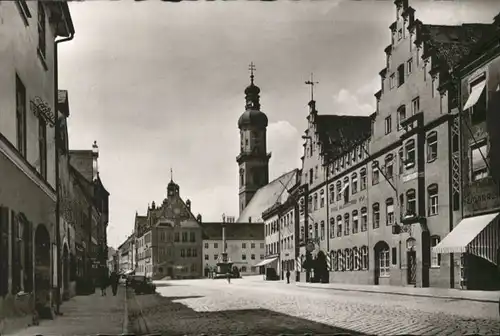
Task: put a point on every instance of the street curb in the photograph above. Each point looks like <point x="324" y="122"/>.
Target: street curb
<point x="401" y="294"/>
<point x="125" y="329"/>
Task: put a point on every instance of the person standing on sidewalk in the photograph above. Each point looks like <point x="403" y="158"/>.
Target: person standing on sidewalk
<point x="114" y="282"/>
<point x="103" y="281"/>
<point x="287" y="276"/>
<point x="228" y="277"/>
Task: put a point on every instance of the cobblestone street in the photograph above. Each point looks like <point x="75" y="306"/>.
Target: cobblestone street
<point x="194" y="307"/>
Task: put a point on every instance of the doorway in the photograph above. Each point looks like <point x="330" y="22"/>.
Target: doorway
<point x="411" y="257"/>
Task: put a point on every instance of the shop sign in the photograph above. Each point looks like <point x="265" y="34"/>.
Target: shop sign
<point x="479" y="200"/>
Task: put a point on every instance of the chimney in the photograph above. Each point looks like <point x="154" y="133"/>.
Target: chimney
<point x="198" y="218"/>
<point x="188" y="204"/>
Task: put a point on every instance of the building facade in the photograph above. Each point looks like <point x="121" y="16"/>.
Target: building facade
<point x="245" y="245"/>
<point x="125" y="254"/>
<point x="27" y="150"/>
<point x="169" y="239"/>
<point x="474" y="240"/>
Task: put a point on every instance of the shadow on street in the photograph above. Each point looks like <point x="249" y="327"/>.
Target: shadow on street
<point x="157" y="314"/>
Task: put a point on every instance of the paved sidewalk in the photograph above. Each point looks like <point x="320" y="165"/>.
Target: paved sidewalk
<point x="85" y="315"/>
<point x="445" y="293"/>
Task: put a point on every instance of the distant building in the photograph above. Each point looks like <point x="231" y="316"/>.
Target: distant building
<point x="245" y="245"/>
<point x="169" y="239"/>
<point x="112" y="260"/>
<point x="125" y="255"/>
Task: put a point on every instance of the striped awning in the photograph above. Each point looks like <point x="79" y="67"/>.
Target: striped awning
<point x="460" y="238"/>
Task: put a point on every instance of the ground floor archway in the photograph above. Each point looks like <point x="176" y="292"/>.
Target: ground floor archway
<point x="382" y="267"/>
<point x="42" y="267"/>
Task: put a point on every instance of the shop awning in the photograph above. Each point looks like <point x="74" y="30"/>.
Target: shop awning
<point x="463" y="234"/>
<point x="265" y="262"/>
<point x="474" y="95"/>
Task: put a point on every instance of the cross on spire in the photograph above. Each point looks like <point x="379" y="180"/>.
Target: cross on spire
<point x="171" y="175"/>
<point x="251" y="67"/>
<point x="312" y="83"/>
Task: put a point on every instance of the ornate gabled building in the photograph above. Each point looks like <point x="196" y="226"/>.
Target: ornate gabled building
<point x="169" y="239"/>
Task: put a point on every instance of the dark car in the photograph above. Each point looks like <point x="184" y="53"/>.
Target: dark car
<point x="141" y="284"/>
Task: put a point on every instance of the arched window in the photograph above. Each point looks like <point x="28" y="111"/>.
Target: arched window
<point x="341" y="261"/>
<point x="364" y="219"/>
<point x="357" y="259"/>
<point x="355" y="222"/>
<point x="389" y="211"/>
<point x="375" y="173"/>
<point x="345" y="189"/>
<point x="242" y="177"/>
<point x="315" y="206"/>
<point x="348" y="260"/>
<point x="376" y="215"/>
<point x="384" y="261"/>
<point x="333" y="261"/>
<point x="332" y="193"/>
<point x="401" y="115"/>
<point x="432" y="146"/>
<point x="364" y="257"/>
<point x="432" y="200"/>
<point x="316" y="233"/>
<point x="401" y="160"/>
<point x="347" y="227"/>
<point x="411" y="203"/>
<point x="339" y="226"/>
<point x="322" y="232"/>
<point x="332" y="227"/>
<point x="410" y="154"/>
<point x="389" y="166"/>
<point x="362" y="180"/>
<point x="354" y="181"/>
<point x="339" y="190"/>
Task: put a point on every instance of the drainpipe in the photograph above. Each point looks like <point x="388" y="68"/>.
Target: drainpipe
<point x="58" y="198"/>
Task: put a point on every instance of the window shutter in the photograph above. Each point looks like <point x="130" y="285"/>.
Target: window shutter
<point x="28" y="255"/>
<point x="14" y="250"/>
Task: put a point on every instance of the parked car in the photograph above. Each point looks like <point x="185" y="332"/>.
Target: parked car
<point x="141" y="284"/>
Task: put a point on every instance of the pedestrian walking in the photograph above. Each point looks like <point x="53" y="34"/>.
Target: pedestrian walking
<point x="228" y="277"/>
<point x="114" y="279"/>
<point x="287" y="276"/>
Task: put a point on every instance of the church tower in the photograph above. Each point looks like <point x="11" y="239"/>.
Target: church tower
<point x="253" y="160"/>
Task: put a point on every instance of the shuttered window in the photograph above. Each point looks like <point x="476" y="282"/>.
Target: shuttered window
<point x="4" y="251"/>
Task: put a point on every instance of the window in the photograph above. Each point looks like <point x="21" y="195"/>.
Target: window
<point x="389" y="170"/>
<point x="411" y="203"/>
<point x="332" y="193"/>
<point x="311" y="176"/>
<point x="252" y="256"/>
<point x="355" y="222"/>
<point x="315" y="206"/>
<point x="376" y="215"/>
<point x="206" y="245"/>
<point x="388" y="125"/>
<point x="261" y="256"/>
<point x="339" y="226"/>
<point x="261" y="245"/>
<point x="401" y="206"/>
<point x="252" y="245"/>
<point x="431" y="146"/>
<point x="401" y="115"/>
<point x="410" y="154"/>
<point x="322" y="228"/>
<point x="435" y="257"/>
<point x="479" y="154"/>
<point x="188" y="252"/>
<point x="216" y="245"/>
<point x="401" y="160"/>
<point x="364" y="219"/>
<point x="41" y="30"/>
<point x="243" y="245"/>
<point x="362" y="174"/>
<point x="183" y="253"/>
<point x="332" y="227"/>
<point x="184" y="237"/>
<point x="341" y="260"/>
<point x="348" y="260"/>
<point x="356" y="259"/>
<point x="21" y="116"/>
<point x="354" y="182"/>
<point x="243" y="257"/>
<point x="478" y="110"/>
<point x="415" y="106"/>
<point x="409" y="66"/>
<point x="333" y="260"/>
<point x="322" y="198"/>
<point x="401" y="74"/>
<point x="192" y="237"/>
<point x="400" y="34"/>
<point x="392" y="81"/>
<point x="316" y="172"/>
<point x="347" y="227"/>
<point x="42" y="146"/>
<point x="345" y="189"/>
<point x="364" y="257"/>
<point x="375" y="173"/>
<point x="384" y="262"/>
<point x="433" y="202"/>
<point x="389" y="211"/>
<point x="316" y="230"/>
<point x="206" y="256"/>
<point x="176" y="237"/>
<point x="394" y="255"/>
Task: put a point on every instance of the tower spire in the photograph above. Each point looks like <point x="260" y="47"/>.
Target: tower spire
<point x="171" y="175"/>
<point x="311" y="82"/>
<point x="252" y="68"/>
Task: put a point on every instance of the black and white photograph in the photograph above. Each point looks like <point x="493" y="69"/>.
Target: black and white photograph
<point x="249" y="167"/>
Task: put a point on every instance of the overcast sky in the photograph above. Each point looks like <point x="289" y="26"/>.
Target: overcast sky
<point x="160" y="85"/>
